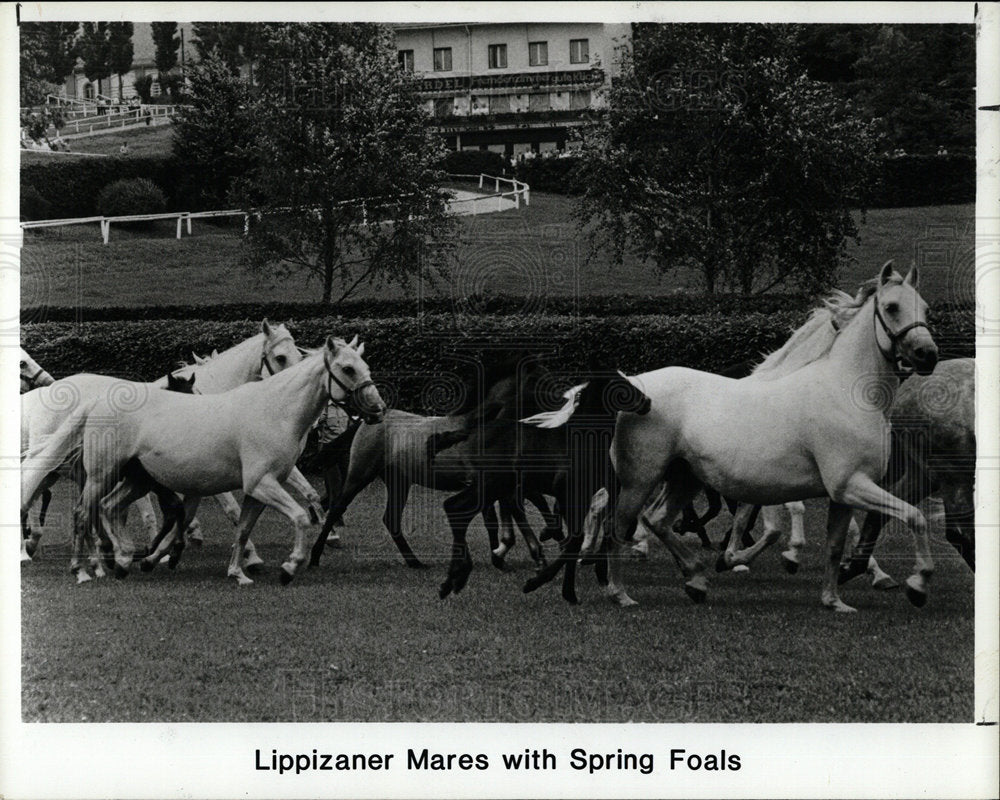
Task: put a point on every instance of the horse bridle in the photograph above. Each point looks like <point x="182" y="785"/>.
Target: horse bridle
<point x="32" y="380"/>
<point x="351" y="396"/>
<point x="268" y="347"/>
<point x="895" y="337"/>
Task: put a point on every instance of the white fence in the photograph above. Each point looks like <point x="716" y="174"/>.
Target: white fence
<point x="519" y="191"/>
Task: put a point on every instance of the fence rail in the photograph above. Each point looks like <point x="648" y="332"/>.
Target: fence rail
<point x="520" y="190"/>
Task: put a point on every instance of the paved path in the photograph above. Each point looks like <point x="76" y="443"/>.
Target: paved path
<point x="463" y="203"/>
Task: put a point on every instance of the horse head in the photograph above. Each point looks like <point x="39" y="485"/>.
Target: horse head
<point x="32" y="375"/>
<point x="346" y="368"/>
<point x="901" y="330"/>
<point x="611" y="393"/>
<point x="279" y="351"/>
<point x="178" y="383"/>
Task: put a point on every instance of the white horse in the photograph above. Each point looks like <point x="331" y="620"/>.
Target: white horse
<point x="32" y="375"/>
<point x="199" y="445"/>
<point x="818" y="431"/>
<point x="270" y="351"/>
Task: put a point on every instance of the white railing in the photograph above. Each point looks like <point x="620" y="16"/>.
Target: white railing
<point x="519" y="191"/>
<point x="184" y="217"/>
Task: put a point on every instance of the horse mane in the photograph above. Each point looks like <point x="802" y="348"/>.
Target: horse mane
<point x="813" y="340"/>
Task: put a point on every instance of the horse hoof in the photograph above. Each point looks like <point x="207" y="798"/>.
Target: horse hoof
<point x="498" y="562"/>
<point x="848" y="572"/>
<point x="172" y="562"/>
<point x="120" y="572"/>
<point x="570" y="598"/>
<point x="530" y="585"/>
<point x="884" y="583"/>
<point x="741" y="569"/>
<point x="721" y="565"/>
<point x="313" y="516"/>
<point x="916" y="596"/>
<point x="31" y="548"/>
<point x="840" y="607"/>
<point x="415" y="563"/>
<point x="82" y="577"/>
<point x="254" y="569"/>
<point x="696" y="593"/>
<point x="286" y="576"/>
<point x="146" y="566"/>
<point x="195" y="543"/>
<point x="791" y="566"/>
<point x="445" y="589"/>
<point x="334" y="542"/>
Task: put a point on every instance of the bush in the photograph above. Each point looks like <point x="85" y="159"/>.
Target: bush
<point x="131" y="196"/>
<point x="33" y="205"/>
<point x="473" y="162"/>
<point x="558" y="175"/>
<point x="71" y="186"/>
<point x="420" y="363"/>
<point x="593" y="305"/>
<point x="928" y="180"/>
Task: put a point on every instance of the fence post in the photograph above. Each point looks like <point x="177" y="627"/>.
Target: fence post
<point x="105" y="230"/>
<point x="180" y="219"/>
<point x="481" y="176"/>
<point x="246" y="224"/>
<point x="189" y="224"/>
<point x="497" y="187"/>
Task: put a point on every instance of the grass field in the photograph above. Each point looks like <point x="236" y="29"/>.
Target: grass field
<point x="142" y="141"/>
<point x="364" y="638"/>
<point x="536" y="251"/>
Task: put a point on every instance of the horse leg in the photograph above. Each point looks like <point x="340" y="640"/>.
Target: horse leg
<point x="590" y="531"/>
<point x="959" y="520"/>
<point x="838" y="521"/>
<point x="498" y="548"/>
<point x="461" y="509"/>
<point x="229" y="507"/>
<point x="34" y="537"/>
<point x="553" y="522"/>
<point x="301" y="484"/>
<point x="619" y="529"/>
<point x="863" y="492"/>
<point x="733" y="556"/>
<point x="797" y="539"/>
<point x="338" y="505"/>
<point x="269" y="491"/>
<point x="251" y="510"/>
<point x="397" y="488"/>
<point x="680" y="489"/>
<point x="516" y="512"/>
<point x="148" y="518"/>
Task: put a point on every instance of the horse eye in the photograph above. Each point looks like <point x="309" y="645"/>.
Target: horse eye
<point x="348" y="370"/>
<point x="892" y="308"/>
<point x="281" y="359"/>
<point x="24" y="365"/>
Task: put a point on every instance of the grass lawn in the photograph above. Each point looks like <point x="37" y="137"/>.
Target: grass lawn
<point x="536" y="251"/>
<point x="363" y="638"/>
<point x="142" y="141"/>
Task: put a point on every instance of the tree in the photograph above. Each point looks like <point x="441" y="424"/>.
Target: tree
<point x="95" y="50"/>
<point x="121" y="51"/>
<point x="214" y="133"/>
<point x="55" y="45"/>
<point x="222" y="38"/>
<point x="718" y="154"/>
<point x="166" y="41"/>
<point x="343" y="168"/>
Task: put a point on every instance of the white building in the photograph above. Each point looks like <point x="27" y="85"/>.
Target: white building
<point x="511" y="87"/>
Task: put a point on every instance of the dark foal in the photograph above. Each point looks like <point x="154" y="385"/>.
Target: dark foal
<point x="570" y="462"/>
<point x="399" y="451"/>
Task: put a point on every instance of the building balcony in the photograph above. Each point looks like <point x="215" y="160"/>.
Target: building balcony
<point x="511" y="82"/>
<point x="514" y="119"/>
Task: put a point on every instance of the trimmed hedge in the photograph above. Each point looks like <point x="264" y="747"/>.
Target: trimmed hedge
<point x="71" y="187"/>
<point x="915" y="180"/>
<point x="131" y="196"/>
<point x="500" y="304"/>
<point x="422" y="364"/>
<point x="473" y="162"/>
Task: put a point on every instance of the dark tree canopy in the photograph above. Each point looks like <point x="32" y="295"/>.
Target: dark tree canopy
<point x="332" y="147"/>
<point x="121" y="49"/>
<point x="95" y="50"/>
<point x="166" y="42"/>
<point x="717" y="153"/>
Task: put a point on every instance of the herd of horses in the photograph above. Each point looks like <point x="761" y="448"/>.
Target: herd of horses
<point x="833" y="413"/>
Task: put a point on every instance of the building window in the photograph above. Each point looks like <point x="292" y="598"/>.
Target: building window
<point x="579" y="99"/>
<point x="498" y="56"/>
<point x="405" y="60"/>
<point x="500" y="104"/>
<point x="579" y="51"/>
<point x="538" y="54"/>
<point x="442" y="59"/>
<point x="443" y="106"/>
<point x="540" y="102"/>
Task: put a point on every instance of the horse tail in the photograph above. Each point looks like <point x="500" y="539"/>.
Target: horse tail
<point x="57" y="449"/>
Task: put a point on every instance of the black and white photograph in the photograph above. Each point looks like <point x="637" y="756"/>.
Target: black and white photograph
<point x="559" y="389"/>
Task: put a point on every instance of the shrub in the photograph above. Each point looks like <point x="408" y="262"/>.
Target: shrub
<point x="33" y="205"/>
<point x="558" y="175"/>
<point x="926" y="180"/>
<point x="131" y="196"/>
<point x="418" y="363"/>
<point x="71" y="186"/>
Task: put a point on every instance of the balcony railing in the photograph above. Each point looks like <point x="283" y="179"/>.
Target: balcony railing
<point x="512" y="118"/>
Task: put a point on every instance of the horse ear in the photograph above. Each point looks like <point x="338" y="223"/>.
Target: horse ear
<point x="361" y="350"/>
<point x="198" y="359"/>
<point x="331" y="345"/>
<point x="265" y="327"/>
<point x="913" y="276"/>
<point x="886" y="273"/>
<point x="353" y="344"/>
<point x="215" y="353"/>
